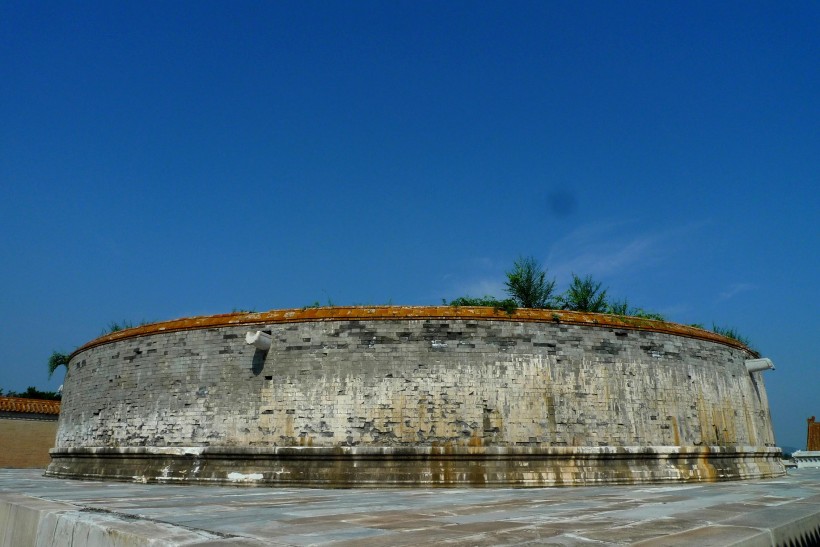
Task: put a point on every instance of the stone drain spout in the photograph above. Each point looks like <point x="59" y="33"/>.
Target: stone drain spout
<point x="259" y="340"/>
<point x="757" y="365"/>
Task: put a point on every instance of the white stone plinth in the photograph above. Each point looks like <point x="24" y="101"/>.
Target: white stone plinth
<point x="806" y="458"/>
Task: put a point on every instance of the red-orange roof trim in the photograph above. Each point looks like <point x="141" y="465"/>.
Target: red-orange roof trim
<point x="387" y="313"/>
<point x="29" y="406"/>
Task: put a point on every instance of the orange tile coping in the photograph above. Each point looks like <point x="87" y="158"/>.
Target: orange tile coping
<point x="30" y="406"/>
<point x="386" y="313"/>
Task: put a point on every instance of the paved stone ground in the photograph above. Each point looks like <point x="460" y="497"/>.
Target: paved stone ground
<point x="766" y="512"/>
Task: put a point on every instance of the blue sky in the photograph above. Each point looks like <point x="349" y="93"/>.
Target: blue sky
<point x="166" y="159"/>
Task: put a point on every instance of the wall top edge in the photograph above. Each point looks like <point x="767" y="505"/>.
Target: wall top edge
<point x="387" y="313"/>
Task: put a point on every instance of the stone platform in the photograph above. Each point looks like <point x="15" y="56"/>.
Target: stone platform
<point x="35" y="510"/>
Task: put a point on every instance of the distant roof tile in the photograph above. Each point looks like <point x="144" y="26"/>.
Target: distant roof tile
<point x="30" y="406"/>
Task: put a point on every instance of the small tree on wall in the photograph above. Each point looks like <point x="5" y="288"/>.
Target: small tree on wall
<point x="527" y="284"/>
<point x="585" y="295"/>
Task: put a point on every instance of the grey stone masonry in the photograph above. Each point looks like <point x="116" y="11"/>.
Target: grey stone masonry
<point x="413" y="382"/>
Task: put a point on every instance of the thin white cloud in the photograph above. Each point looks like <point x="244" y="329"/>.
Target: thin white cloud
<point x="486" y="278"/>
<point x="675" y="310"/>
<point x="735" y="289"/>
<point x="607" y="249"/>
<point x="603" y="250"/>
<point x="484" y="262"/>
<point x="483" y="287"/>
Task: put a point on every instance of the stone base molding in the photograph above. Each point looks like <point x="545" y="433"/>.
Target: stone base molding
<point x="344" y="467"/>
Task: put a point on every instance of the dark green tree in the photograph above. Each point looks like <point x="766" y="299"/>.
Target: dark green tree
<point x="585" y="295"/>
<point x="527" y="284"/>
<point x="34" y="393"/>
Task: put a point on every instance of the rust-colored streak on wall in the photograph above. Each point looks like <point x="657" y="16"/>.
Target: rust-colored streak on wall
<point x="25" y="443"/>
<point x="355" y="313"/>
<point x="813" y="437"/>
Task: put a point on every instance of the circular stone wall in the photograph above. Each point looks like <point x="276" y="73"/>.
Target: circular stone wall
<point x="405" y="396"/>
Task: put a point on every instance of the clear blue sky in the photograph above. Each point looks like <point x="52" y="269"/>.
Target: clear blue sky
<point x="167" y="159"/>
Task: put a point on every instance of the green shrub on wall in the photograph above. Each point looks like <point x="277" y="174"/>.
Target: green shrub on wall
<point x="56" y="361"/>
<point x="508" y="305"/>
<point x="731" y="332"/>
